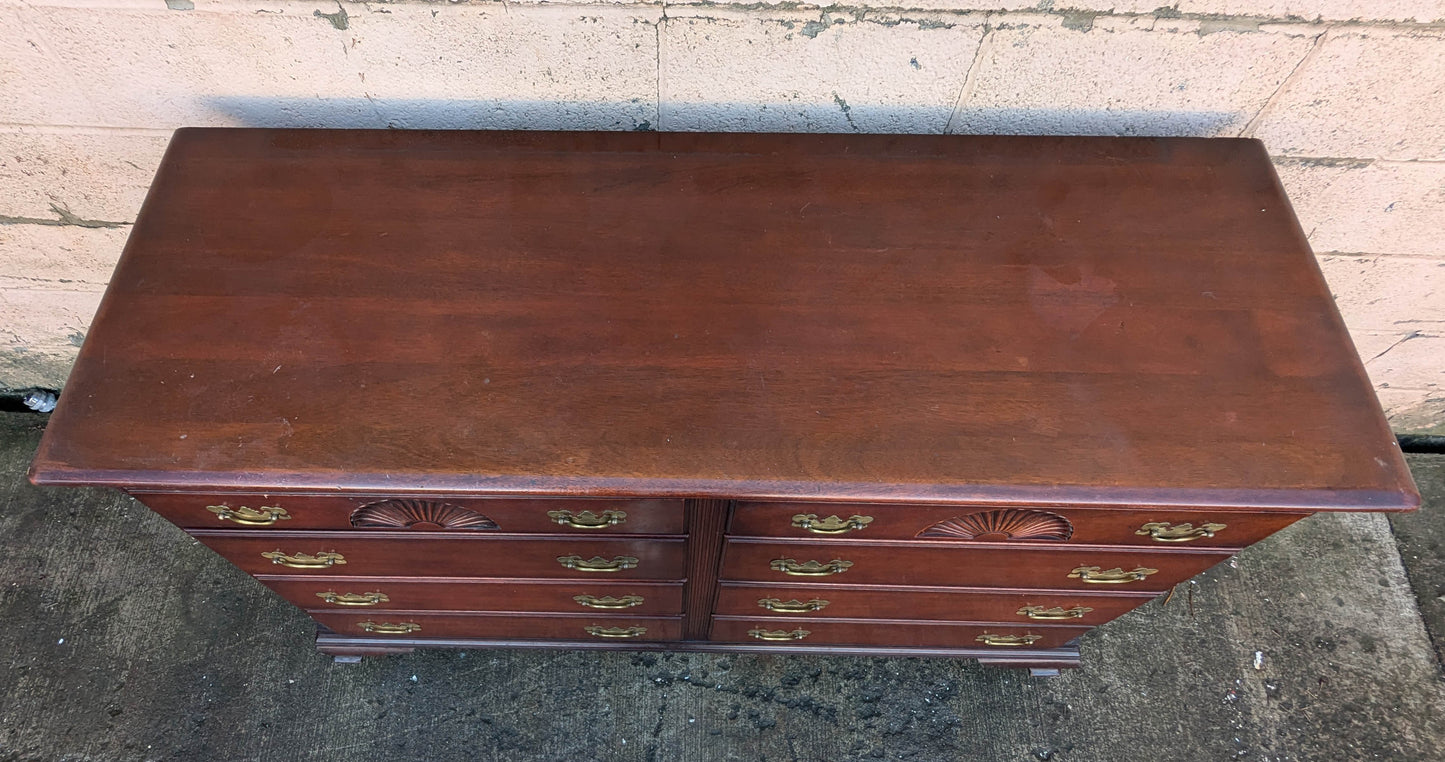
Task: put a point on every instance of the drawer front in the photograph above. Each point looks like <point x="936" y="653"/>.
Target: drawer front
<point x="557" y="596"/>
<point x="314" y="554"/>
<point x="1004" y="637"/>
<point x="832" y="601"/>
<point x="412" y="625"/>
<point x="966" y="525"/>
<point x="932" y="564"/>
<point x="461" y="515"/>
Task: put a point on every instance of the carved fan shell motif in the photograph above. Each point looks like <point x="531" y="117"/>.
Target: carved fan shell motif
<point x="409" y="513"/>
<point x="1003" y="524"/>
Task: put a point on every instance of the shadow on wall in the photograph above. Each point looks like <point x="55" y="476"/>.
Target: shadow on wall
<point x="638" y="114"/>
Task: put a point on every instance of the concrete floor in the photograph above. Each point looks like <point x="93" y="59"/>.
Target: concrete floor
<point x="123" y="639"/>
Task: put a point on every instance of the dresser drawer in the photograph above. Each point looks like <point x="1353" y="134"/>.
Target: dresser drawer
<point x="469" y="515"/>
<point x="862" y="632"/>
<point x="941" y="565"/>
<point x="1052" y="526"/>
<point x="560" y="596"/>
<point x="966" y="605"/>
<point x="386" y="555"/>
<point x="408" y="625"/>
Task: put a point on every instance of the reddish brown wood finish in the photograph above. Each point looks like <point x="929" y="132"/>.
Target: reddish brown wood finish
<point x="889" y="633"/>
<point x="335" y="512"/>
<point x="927" y="603"/>
<point x="556" y="596"/>
<point x="948" y="565"/>
<point x="415" y="555"/>
<point x="1121" y="328"/>
<point x="1082" y="527"/>
<point x="705" y="522"/>
<point x="556" y="627"/>
<point x="1076" y="320"/>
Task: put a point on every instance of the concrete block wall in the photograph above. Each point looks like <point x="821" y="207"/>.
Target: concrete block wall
<point x="1349" y="96"/>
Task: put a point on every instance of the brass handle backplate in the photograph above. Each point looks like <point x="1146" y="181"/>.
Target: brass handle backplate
<point x="263" y="516"/>
<point x="353" y="599"/>
<point x="810" y="568"/>
<point x="321" y="560"/>
<point x="598" y="563"/>
<point x="798" y="634"/>
<point x="1057" y="612"/>
<point x="389" y="628"/>
<point x="608" y="602"/>
<point x="615" y="632"/>
<point x="1114" y="576"/>
<point x="588" y="519"/>
<point x="989" y="639"/>
<point x="832" y="524"/>
<point x="794" y="606"/>
<point x="1163" y="531"/>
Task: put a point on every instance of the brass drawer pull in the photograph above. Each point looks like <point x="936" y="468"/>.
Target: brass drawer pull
<point x="794" y="606"/>
<point x="608" y="602"/>
<point x="798" y="634"/>
<point x="1114" y="576"/>
<point x="588" y="519"/>
<point x="304" y="561"/>
<point x="615" y="632"/>
<point x="1057" y="612"/>
<point x="353" y="599"/>
<point x="810" y="568"/>
<point x="990" y="639"/>
<point x="832" y="524"/>
<point x="1162" y="531"/>
<point x="389" y="628"/>
<point x="264" y="516"/>
<point x="598" y="563"/>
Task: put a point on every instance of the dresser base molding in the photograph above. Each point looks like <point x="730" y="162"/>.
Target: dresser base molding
<point x="1036" y="660"/>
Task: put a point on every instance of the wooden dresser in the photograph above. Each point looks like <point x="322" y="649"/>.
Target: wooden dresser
<point x="965" y="396"/>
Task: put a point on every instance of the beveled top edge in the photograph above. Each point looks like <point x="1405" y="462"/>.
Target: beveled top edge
<point x="1123" y="498"/>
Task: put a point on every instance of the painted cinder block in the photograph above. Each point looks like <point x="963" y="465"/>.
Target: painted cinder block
<point x="1414" y="411"/>
<point x="1395" y="310"/>
<point x="25" y="367"/>
<point x="1124" y="76"/>
<point x="485" y="67"/>
<point x="163" y="68"/>
<point x="55" y="255"/>
<point x="1366" y="93"/>
<point x="1395" y="295"/>
<point x="41" y="330"/>
<point x="45" y="319"/>
<point x="96" y="177"/>
<point x="352" y="65"/>
<point x="1423" y="11"/>
<point x="1382" y="207"/>
<point x="34" y="88"/>
<point x="1405" y="361"/>
<point x="806" y="72"/>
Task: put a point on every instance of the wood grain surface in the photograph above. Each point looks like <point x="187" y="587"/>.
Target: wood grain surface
<point x="480" y="625"/>
<point x="891" y="633"/>
<point x="529" y="516"/>
<point x="1052" y="525"/>
<point x="412" y="594"/>
<point x="925" y="603"/>
<point x="952" y="565"/>
<point x="386" y="554"/>
<point x="888" y="318"/>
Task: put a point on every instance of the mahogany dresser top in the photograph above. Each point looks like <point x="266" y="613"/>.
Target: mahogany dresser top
<point x="885" y="318"/>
